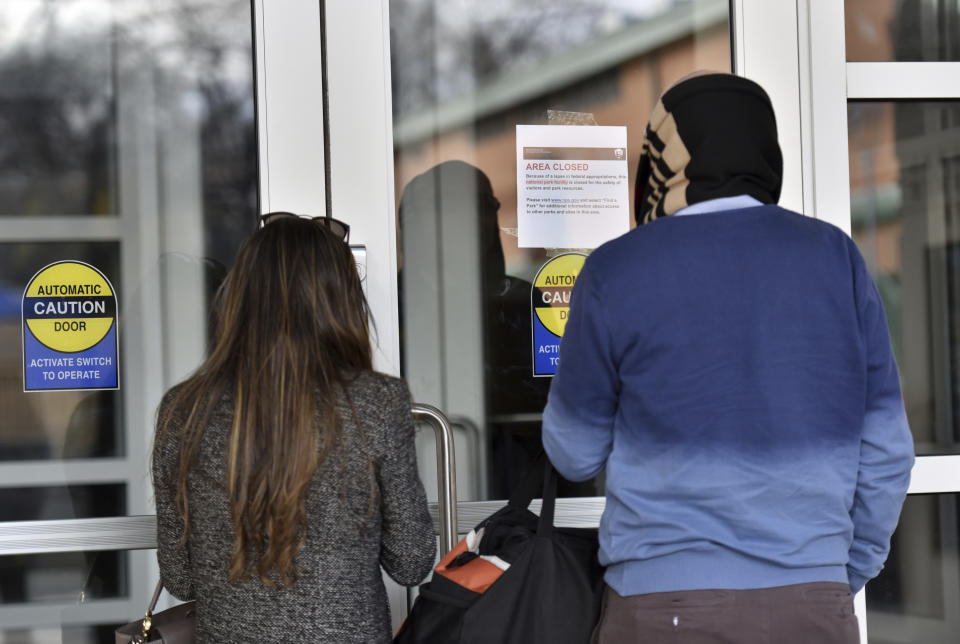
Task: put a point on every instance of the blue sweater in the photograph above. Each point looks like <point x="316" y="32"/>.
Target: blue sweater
<point x="732" y="371"/>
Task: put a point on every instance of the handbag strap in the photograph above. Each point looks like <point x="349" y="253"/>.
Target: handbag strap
<point x="156" y="596"/>
<point x="147" y="622"/>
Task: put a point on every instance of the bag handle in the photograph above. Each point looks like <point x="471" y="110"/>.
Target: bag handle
<point x="531" y="485"/>
<point x="545" y="525"/>
<point x="540" y="479"/>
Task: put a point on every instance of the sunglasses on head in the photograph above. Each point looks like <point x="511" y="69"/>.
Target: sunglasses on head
<point x="339" y="228"/>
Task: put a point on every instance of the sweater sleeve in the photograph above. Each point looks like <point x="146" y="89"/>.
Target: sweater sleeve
<point x="886" y="446"/>
<point x="174" y="560"/>
<point x="579" y="416"/>
<point x="408" y="544"/>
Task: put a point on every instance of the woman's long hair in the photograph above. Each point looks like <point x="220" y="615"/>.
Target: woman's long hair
<point x="291" y="328"/>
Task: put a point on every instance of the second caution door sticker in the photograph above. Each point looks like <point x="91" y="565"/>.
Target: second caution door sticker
<point x="550" y="305"/>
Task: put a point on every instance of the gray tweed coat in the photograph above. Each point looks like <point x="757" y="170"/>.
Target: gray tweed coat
<point x="339" y="595"/>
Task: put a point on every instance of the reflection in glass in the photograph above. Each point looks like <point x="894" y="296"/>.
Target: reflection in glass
<point x="57" y="109"/>
<point x="464" y="75"/>
<point x="902" y="30"/>
<point x="905" y="201"/>
<point x="916" y="598"/>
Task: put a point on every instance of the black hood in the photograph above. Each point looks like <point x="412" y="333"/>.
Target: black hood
<point x="710" y="136"/>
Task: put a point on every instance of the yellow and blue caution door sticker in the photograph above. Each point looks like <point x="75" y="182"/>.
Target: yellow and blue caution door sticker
<point x="550" y="305"/>
<point x="69" y="317"/>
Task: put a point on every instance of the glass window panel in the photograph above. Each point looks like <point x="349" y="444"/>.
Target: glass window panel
<point x="902" y="30"/>
<point x="49" y="503"/>
<point x="905" y="204"/>
<point x="66" y="634"/>
<point x="64" y="577"/>
<point x="57" y="109"/>
<point x="85" y="633"/>
<point x="917" y="595"/>
<point x="52" y="425"/>
<point x="464" y="75"/>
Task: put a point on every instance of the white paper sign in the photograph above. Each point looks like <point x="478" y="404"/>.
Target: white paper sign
<point x="571" y="185"/>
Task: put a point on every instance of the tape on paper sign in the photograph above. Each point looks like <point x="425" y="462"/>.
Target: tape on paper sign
<point x="550" y="306"/>
<point x="69" y="316"/>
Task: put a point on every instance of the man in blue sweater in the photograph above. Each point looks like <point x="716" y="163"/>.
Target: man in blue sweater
<point x="728" y="363"/>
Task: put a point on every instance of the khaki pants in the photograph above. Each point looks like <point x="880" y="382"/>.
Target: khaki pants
<point x="814" y="613"/>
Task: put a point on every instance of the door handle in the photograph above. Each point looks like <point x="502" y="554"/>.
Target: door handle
<point x="446" y="472"/>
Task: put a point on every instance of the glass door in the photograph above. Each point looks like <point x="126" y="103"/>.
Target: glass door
<point x="424" y="98"/>
<point x="424" y="101"/>
<point x="128" y="143"/>
<point x="463" y="77"/>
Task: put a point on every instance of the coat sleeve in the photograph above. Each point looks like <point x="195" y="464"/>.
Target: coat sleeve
<point x="886" y="446"/>
<point x="579" y="416"/>
<point x="408" y="544"/>
<point x="174" y="560"/>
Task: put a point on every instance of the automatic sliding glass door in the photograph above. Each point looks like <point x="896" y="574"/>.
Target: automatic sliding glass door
<point x="127" y="142"/>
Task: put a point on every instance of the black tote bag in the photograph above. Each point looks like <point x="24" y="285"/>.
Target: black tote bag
<point x="550" y="593"/>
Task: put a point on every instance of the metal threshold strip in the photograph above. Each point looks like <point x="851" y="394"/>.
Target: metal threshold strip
<point x="579" y="512"/>
<point x="140" y="532"/>
<point x="78" y="535"/>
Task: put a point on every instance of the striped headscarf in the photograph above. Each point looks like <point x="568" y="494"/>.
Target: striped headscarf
<point x="711" y="135"/>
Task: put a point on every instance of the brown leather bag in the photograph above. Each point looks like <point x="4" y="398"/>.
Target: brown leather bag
<point x="172" y="626"/>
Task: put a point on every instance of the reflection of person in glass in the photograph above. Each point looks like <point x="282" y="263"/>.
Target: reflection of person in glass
<point x="728" y="363"/>
<point x="284" y="469"/>
<point x="458" y="189"/>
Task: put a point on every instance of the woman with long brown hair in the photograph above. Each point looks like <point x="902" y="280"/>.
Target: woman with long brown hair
<point x="284" y="467"/>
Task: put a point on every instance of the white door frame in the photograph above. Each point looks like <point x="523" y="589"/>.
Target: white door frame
<point x="290" y="122"/>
